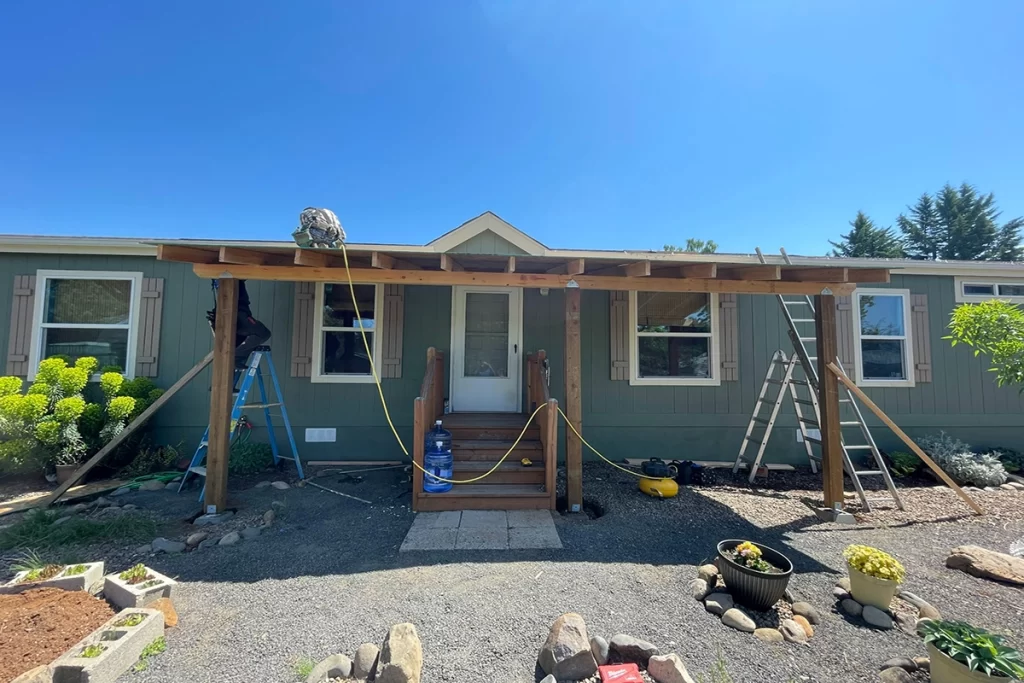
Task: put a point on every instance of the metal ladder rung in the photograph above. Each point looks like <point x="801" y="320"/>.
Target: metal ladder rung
<point x="808" y="339"/>
<point x="801" y="302"/>
<point x="868" y="473"/>
<point x="760" y="420"/>
<point x="813" y="440"/>
<point x="198" y="469"/>
<point x="808" y="420"/>
<point x="804" y="401"/>
<point x="849" y="423"/>
<point x="857" y="446"/>
<point x="260" y="405"/>
<point x="803" y="320"/>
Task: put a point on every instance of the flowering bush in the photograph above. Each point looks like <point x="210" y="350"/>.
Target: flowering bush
<point x="749" y="555"/>
<point x="964" y="466"/>
<point x="874" y="562"/>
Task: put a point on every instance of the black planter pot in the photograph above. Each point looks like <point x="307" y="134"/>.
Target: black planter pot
<point x="754" y="589"/>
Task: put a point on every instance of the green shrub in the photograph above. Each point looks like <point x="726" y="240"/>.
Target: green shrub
<point x="249" y="457"/>
<point x="1012" y="460"/>
<point x="963" y="465"/>
<point x="149" y="460"/>
<point x="976" y="648"/>
<point x="904" y="464"/>
<point x="37" y="530"/>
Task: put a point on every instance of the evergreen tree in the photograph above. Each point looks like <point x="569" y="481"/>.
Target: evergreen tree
<point x="958" y="223"/>
<point x="693" y="246"/>
<point x="867" y="240"/>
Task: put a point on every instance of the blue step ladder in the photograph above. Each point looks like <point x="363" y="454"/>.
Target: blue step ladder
<point x="252" y="370"/>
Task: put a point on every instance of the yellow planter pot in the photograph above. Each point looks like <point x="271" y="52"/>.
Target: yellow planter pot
<point x="870" y="590"/>
<point x="945" y="669"/>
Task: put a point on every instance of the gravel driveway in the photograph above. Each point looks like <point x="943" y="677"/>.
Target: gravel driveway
<point x="328" y="576"/>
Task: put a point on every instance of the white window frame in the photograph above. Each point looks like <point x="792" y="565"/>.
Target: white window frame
<point x="993" y="282"/>
<point x="318" y="375"/>
<point x="906" y="338"/>
<point x="135" y="305"/>
<point x="713" y="347"/>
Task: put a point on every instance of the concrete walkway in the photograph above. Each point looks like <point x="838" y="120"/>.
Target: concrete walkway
<point x="482" y="530"/>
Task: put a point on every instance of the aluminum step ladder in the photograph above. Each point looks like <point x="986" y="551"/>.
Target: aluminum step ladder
<point x="799" y="315"/>
<point x="251" y="371"/>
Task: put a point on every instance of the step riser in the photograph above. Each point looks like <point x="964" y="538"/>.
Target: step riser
<point x="429" y="504"/>
<point x="493" y="433"/>
<point x="524" y="476"/>
<point x="494" y="455"/>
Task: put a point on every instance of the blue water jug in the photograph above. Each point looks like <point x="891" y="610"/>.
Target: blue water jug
<point x="437" y="460"/>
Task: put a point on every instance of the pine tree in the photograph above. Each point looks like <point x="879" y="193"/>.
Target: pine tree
<point x="960" y="224"/>
<point x="866" y="240"/>
<point x="693" y="246"/>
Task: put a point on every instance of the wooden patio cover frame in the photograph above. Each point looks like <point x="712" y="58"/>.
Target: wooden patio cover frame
<point x="599" y="270"/>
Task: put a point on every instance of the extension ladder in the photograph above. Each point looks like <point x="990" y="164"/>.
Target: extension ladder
<point x="251" y="370"/>
<point x="800" y="312"/>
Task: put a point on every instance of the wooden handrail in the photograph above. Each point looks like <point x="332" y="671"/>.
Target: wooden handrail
<point x="427" y="407"/>
<point x="538" y="394"/>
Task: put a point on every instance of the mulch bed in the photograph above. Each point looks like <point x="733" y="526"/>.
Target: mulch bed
<point x="39" y="625"/>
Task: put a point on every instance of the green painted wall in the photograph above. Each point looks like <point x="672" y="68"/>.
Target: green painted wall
<point x="488" y="243"/>
<point x="704" y="423"/>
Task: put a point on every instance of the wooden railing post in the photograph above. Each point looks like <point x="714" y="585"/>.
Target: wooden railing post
<point x="550" y="438"/>
<point x="418" y="435"/>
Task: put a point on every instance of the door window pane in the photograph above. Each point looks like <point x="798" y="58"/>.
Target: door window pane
<point x="674" y="357"/>
<point x="95" y="302"/>
<point x="881" y="315"/>
<point x="487" y="335"/>
<point x="106" y="345"/>
<point x="673" y="312"/>
<point x="882" y="359"/>
<point x="345" y="353"/>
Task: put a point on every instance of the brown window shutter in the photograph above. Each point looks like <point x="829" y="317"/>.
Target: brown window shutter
<point x="729" y="344"/>
<point x="147" y="348"/>
<point x="921" y="337"/>
<point x="620" y="331"/>
<point x="394" y="318"/>
<point x="302" y="329"/>
<point x="845" y="320"/>
<point x="19" y="344"/>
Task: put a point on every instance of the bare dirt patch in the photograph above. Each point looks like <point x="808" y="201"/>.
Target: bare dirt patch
<point x="39" y="625"/>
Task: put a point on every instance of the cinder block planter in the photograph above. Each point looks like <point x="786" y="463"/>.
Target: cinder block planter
<point x="83" y="581"/>
<point x="117" y="647"/>
<point x="122" y="594"/>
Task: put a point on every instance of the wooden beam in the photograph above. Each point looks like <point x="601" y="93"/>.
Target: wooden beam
<point x="751" y="273"/>
<point x="315" y="259"/>
<point x="253" y="258"/>
<point x="868" y="275"/>
<point x="435" y="277"/>
<point x="219" y="439"/>
<point x="129" y="430"/>
<point x="866" y="400"/>
<point x="510" y="265"/>
<point x="816" y="274"/>
<point x="573" y="402"/>
<point x="828" y="400"/>
<point x="638" y="269"/>
<point x="379" y="260"/>
<point x="169" y="252"/>
<point x="574" y="267"/>
<point x="450" y="265"/>
<point x="709" y="270"/>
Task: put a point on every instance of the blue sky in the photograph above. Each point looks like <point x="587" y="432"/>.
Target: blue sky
<point x="587" y="124"/>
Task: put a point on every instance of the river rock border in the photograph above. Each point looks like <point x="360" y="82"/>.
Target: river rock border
<point x="790" y="620"/>
<point x="398" y="660"/>
<point x="906" y="610"/>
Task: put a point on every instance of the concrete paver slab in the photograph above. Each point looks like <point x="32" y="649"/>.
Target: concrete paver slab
<point x="426" y="538"/>
<point x="482" y="538"/>
<point x="489" y="519"/>
<point x="530" y="518"/>
<point x="525" y="538"/>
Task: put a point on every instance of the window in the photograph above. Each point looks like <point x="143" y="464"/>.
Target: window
<point x="674" y="340"/>
<point x="339" y="354"/>
<point x="882" y="330"/>
<point x="973" y="290"/>
<point x="86" y="313"/>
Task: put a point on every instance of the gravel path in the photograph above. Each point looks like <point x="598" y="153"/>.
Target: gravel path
<point x="328" y="576"/>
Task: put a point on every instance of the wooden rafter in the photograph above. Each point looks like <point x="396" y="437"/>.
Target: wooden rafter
<point x="816" y="274"/>
<point x="510" y="265"/>
<point x="253" y="258"/>
<point x="708" y="270"/>
<point x="315" y="259"/>
<point x="750" y="273"/>
<point x="449" y="264"/>
<point x="170" y="252"/>
<point x="574" y="267"/>
<point x="389" y="262"/>
<point x="638" y="269"/>
<point x="868" y="275"/>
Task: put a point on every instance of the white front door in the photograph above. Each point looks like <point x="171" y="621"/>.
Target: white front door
<point x="487" y="326"/>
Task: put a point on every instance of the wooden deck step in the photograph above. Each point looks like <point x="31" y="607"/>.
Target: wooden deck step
<point x="493" y="449"/>
<point x="510" y="472"/>
<point x="484" y="426"/>
<point x="484" y="497"/>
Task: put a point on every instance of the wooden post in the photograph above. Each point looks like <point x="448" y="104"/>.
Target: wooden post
<point x="573" y="407"/>
<point x="220" y="396"/>
<point x="418" y="434"/>
<point x="550" y="427"/>
<point x="828" y="400"/>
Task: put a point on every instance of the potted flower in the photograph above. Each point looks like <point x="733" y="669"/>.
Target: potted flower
<point x="756" y="575"/>
<point x="961" y="653"/>
<point x="874" y="575"/>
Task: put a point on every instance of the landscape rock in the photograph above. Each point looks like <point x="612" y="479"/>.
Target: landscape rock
<point x="167" y="607"/>
<point x="80" y="507"/>
<point x="62" y="520"/>
<point x="280" y="485"/>
<point x="196" y="538"/>
<point x="738" y="619"/>
<point x="162" y="545"/>
<point x="907" y="623"/>
<point x="805" y="624"/>
<point x="121" y="491"/>
<point x="152" y="485"/>
<point x="262" y="484"/>
<point x="924" y="608"/>
<point x="212" y="519"/>
<point x="876" y="617"/>
<point x="40" y="674"/>
<point x="793" y="632"/>
<point x="129" y="506"/>
<point x="599" y="648"/>
<point x="699" y="589"/>
<point x="844" y="583"/>
<point x="895" y="675"/>
<point x="709" y="573"/>
<point x="789" y="596"/>
<point x="251" y="532"/>
<point x="807" y="610"/>
<point x="172" y="486"/>
<point x="335" y="666"/>
<point x="567" y="651"/>
<point x="920" y="623"/>
<point x="364" y="664"/>
<point x="1015" y="485"/>
<point x="841" y="593"/>
<point x="632" y="649"/>
<point x="718" y="603"/>
<point x="230" y="538"/>
<point x="987" y="564"/>
<point x="768" y="635"/>
<point x="549" y="679"/>
<point x="401" y="657"/>
<point x="923" y="663"/>
<point x="668" y="669"/>
<point x="905" y="663"/>
<point x="207" y="543"/>
<point x="144" y="548"/>
<point x="268" y="517"/>
<point x="852" y="607"/>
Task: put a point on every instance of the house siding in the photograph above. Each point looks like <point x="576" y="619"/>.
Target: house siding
<point x="488" y="243"/>
<point x="623" y="421"/>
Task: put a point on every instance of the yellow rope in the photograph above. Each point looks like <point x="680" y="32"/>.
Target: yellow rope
<point x="599" y="454"/>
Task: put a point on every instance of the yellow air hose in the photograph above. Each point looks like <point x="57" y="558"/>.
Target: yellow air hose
<point x="387" y="413"/>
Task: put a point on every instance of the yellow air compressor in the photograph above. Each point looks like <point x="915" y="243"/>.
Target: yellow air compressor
<point x="659" y="488"/>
